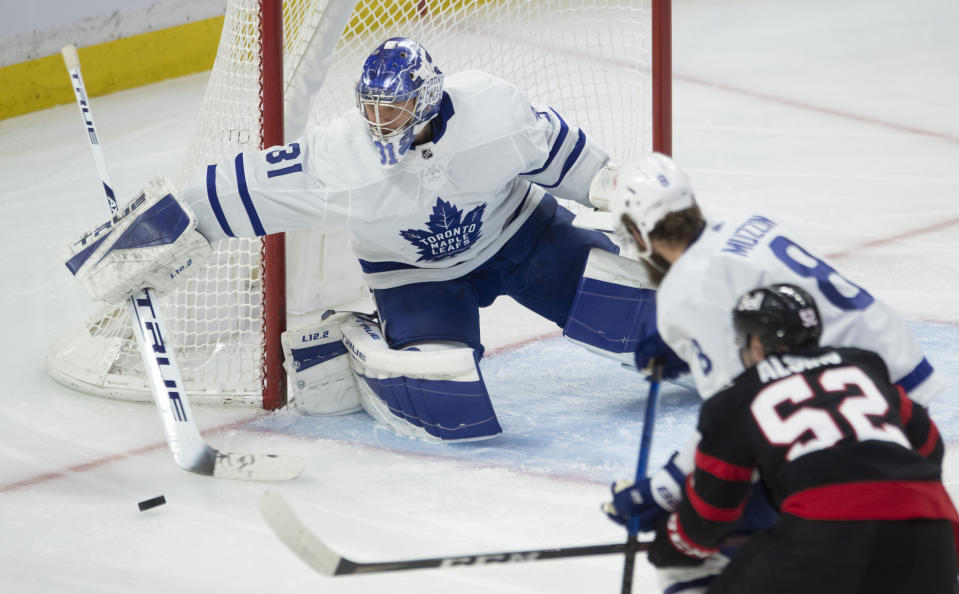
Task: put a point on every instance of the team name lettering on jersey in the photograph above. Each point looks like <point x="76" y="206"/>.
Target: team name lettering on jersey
<point x="774" y="368"/>
<point x="748" y="235"/>
<point x="448" y="232"/>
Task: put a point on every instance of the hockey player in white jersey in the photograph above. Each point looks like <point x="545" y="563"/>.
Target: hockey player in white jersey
<point x="446" y="185"/>
<point x="701" y="268"/>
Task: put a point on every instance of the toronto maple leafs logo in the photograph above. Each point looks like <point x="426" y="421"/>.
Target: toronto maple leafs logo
<point x="448" y="232"/>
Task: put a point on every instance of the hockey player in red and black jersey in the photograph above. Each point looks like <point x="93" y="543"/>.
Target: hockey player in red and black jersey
<point x="851" y="463"/>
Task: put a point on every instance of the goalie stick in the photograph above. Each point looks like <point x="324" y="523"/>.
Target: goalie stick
<point x="290" y="529"/>
<point x="189" y="449"/>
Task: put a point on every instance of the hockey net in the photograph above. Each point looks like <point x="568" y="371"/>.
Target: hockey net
<point x="591" y="60"/>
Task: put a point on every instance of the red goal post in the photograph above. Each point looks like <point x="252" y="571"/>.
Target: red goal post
<point x="280" y="66"/>
<point x="274" y="246"/>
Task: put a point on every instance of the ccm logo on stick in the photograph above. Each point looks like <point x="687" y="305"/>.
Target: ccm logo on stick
<point x="485" y="559"/>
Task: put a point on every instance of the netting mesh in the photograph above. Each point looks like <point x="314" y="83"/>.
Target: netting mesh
<point x="588" y="59"/>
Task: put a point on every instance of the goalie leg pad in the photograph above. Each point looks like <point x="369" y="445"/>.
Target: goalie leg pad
<point x="427" y="394"/>
<point x="151" y="243"/>
<point x="614" y="309"/>
<point x="318" y="366"/>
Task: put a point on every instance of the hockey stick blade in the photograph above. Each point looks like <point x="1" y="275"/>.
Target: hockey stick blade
<point x="243" y="467"/>
<point x="190" y="451"/>
<point x="295" y="535"/>
<point x="257" y="467"/>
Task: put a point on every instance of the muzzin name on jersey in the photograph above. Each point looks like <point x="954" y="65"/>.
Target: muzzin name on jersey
<point x="748" y="235"/>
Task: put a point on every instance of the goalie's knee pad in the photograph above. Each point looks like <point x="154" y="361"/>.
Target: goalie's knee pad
<point x="434" y="392"/>
<point x="614" y="309"/>
<point x="318" y="366"/>
<point x="151" y="243"/>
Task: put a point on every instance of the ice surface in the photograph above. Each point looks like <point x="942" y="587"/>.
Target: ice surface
<point x="840" y="117"/>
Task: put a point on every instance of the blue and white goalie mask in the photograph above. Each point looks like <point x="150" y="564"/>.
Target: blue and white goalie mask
<point x="398" y="92"/>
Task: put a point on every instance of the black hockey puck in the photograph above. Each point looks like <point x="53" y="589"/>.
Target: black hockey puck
<point x="149" y="503"/>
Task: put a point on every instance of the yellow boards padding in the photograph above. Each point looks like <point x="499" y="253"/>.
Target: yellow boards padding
<point x="112" y="66"/>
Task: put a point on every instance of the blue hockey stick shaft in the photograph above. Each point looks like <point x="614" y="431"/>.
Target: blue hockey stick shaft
<point x="646" y="439"/>
<point x="642" y="466"/>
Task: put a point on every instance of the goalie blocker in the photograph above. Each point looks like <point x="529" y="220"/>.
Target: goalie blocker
<point x="151" y="243"/>
<point x="431" y="391"/>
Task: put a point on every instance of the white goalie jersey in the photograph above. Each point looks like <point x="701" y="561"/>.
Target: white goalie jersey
<point x="444" y="209"/>
<point x="697" y="297"/>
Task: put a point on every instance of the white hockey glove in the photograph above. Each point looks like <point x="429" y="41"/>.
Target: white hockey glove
<point x="601" y="188"/>
<point x="152" y="242"/>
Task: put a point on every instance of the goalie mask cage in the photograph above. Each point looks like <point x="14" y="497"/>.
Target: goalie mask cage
<point x="603" y="64"/>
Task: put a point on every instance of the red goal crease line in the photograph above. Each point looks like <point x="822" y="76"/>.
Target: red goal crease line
<point x="100" y="462"/>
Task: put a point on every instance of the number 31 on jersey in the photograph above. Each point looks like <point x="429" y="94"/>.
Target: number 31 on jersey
<point x="281" y="157"/>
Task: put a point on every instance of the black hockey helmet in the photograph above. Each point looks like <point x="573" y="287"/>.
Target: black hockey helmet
<point x="783" y="316"/>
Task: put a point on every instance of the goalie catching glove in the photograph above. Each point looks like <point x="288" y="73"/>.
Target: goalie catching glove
<point x="151" y="243"/>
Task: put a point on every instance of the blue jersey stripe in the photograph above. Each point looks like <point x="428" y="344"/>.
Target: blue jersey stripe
<point x="446" y="112"/>
<point x="388" y="266"/>
<point x="573" y="156"/>
<point x="519" y="208"/>
<point x="563" y="131"/>
<point x="374" y="267"/>
<point x="215" y="201"/>
<point x="916" y="376"/>
<point x="245" y="197"/>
